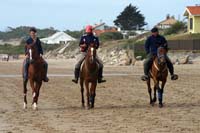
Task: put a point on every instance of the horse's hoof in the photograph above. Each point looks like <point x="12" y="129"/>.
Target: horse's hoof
<point x="25" y="106"/>
<point x="92" y="106"/>
<point x="88" y="107"/>
<point x="83" y="106"/>
<point x="154" y="100"/>
<point x="160" y="105"/>
<point x="35" y="106"/>
<point x="152" y="104"/>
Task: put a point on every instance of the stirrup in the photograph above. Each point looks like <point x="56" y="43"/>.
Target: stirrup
<point x="145" y="78"/>
<point x="174" y="77"/>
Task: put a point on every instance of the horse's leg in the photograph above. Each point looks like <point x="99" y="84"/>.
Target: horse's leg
<point x="149" y="90"/>
<point x="93" y="94"/>
<point x="25" y="93"/>
<point x="82" y="92"/>
<point x="87" y="93"/>
<point x="32" y="83"/>
<point x="155" y="98"/>
<point x="160" y="93"/>
<point x="38" y="86"/>
<point x="156" y="86"/>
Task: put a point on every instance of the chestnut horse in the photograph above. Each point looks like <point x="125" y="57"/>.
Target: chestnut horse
<point x="158" y="73"/>
<point x="89" y="74"/>
<point x="36" y="73"/>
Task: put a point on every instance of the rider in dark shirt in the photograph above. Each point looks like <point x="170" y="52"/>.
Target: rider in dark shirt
<point x="152" y="44"/>
<point x="36" y="41"/>
<point x="85" y="41"/>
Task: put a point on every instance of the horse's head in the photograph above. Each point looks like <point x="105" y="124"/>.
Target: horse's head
<point x="32" y="52"/>
<point x="91" y="53"/>
<point x="161" y="56"/>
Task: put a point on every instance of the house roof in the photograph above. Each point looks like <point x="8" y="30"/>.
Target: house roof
<point x="169" y="21"/>
<point x="98" y="25"/>
<point x="192" y="10"/>
<point x="59" y="36"/>
<point x="62" y="35"/>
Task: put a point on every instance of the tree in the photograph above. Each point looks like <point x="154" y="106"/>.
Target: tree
<point x="130" y="19"/>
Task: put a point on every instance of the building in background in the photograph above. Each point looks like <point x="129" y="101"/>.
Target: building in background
<point x="103" y="28"/>
<point x="167" y="23"/>
<point x="193" y="15"/>
<point x="58" y="38"/>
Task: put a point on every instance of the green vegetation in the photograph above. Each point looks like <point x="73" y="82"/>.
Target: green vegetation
<point x="75" y="34"/>
<point x="140" y="52"/>
<point x="176" y="28"/>
<point x="50" y="47"/>
<point x="22" y="32"/>
<point x="109" y="36"/>
<point x="130" y="19"/>
<point x="185" y="36"/>
<point x="9" y="49"/>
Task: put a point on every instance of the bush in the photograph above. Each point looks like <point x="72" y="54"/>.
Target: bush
<point x="9" y="49"/>
<point x="177" y="27"/>
<point x="132" y="33"/>
<point x="139" y="49"/>
<point x="75" y="34"/>
<point x="108" y="36"/>
<point x="50" y="47"/>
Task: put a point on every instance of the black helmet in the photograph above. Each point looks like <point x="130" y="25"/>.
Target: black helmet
<point x="155" y="29"/>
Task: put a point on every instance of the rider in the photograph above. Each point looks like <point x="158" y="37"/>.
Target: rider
<point x="33" y="39"/>
<point x="85" y="41"/>
<point x="151" y="46"/>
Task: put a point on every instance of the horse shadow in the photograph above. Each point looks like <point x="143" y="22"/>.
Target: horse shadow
<point x="125" y="107"/>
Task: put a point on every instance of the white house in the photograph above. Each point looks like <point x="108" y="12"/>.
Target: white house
<point x="167" y="23"/>
<point x="58" y="38"/>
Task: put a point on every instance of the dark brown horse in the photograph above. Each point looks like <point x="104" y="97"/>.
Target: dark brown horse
<point x="36" y="73"/>
<point x="158" y="73"/>
<point x="89" y="74"/>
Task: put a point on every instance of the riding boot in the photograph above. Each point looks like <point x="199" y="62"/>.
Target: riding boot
<point x="76" y="75"/>
<point x="147" y="66"/>
<point x="145" y="77"/>
<point x="171" y="70"/>
<point x="46" y="79"/>
<point x="100" y="76"/>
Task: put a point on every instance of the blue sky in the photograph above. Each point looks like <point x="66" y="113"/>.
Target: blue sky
<point x="74" y="14"/>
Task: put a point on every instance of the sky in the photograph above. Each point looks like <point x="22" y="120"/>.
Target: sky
<point x="75" y="14"/>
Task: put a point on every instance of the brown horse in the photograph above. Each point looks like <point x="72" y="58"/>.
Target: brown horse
<point x="36" y="73"/>
<point x="158" y="73"/>
<point x="89" y="74"/>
